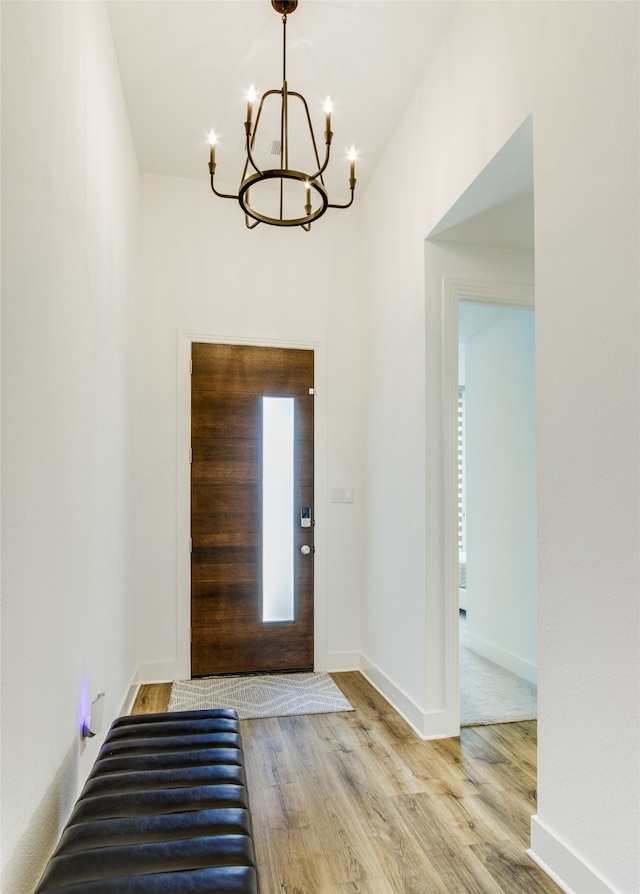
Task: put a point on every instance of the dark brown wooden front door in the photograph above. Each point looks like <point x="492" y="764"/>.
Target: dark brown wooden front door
<point x="228" y="634"/>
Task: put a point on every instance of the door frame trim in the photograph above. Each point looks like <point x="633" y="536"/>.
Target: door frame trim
<point x="497" y="294"/>
<point x="183" y="485"/>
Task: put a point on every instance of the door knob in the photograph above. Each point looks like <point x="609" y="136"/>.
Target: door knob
<point x="305" y="550"/>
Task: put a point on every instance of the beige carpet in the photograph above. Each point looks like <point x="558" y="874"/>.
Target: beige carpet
<point x="491" y="694"/>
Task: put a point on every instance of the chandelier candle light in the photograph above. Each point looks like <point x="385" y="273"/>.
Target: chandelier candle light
<point x="282" y="207"/>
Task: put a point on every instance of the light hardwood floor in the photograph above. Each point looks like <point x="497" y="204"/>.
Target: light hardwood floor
<point x="355" y="803"/>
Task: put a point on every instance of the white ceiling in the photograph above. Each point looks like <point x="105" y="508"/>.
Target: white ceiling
<point x="186" y="65"/>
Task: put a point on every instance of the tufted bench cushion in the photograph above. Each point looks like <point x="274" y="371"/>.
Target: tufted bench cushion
<point x="164" y="810"/>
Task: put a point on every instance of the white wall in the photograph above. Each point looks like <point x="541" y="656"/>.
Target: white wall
<point x="69" y="195"/>
<point x="502" y="597"/>
<point x="574" y="67"/>
<point x="203" y="272"/>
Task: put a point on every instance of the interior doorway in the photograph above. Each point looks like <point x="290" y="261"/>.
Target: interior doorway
<point x="496" y="462"/>
<point x="482" y="249"/>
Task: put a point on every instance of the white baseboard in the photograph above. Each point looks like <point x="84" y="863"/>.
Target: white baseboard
<point x="339" y="662"/>
<point x="502" y="657"/>
<point x="129" y="699"/>
<point x="427" y="724"/>
<point x="568" y="870"/>
<point x="160" y="672"/>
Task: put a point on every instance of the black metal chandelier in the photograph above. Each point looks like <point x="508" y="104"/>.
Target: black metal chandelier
<point x="281" y="194"/>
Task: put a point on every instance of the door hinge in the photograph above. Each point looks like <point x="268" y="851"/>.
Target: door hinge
<point x="190" y="544"/>
<point x="190" y="454"/>
<point x="191" y="367"/>
<point x="312" y="390"/>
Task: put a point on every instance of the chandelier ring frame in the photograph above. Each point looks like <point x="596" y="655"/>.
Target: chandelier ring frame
<point x="282" y="174"/>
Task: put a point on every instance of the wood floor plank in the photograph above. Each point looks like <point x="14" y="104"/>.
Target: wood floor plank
<point x="513" y="870"/>
<point x="337" y="731"/>
<point x="266" y="753"/>
<point x="455" y="866"/>
<point x="152" y="698"/>
<point x="458" y="815"/>
<point x="444" y="768"/>
<point x="356" y="803"/>
<point x="401" y="854"/>
<point x="379" y="885"/>
<point x="302" y="819"/>
<point x="518" y="741"/>
<point x="498" y="762"/>
<point x="327" y="803"/>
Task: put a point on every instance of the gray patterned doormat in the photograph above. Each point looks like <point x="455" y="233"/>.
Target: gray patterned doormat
<point x="268" y="695"/>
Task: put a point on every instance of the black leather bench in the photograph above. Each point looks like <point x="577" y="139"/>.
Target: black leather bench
<point x="165" y="810"/>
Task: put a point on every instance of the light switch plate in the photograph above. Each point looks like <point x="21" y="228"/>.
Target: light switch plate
<point x="342" y="495"/>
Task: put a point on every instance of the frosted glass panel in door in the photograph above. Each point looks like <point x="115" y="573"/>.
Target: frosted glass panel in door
<point x="277" y="508"/>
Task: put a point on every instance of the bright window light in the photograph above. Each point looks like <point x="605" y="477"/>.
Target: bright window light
<point x="277" y="508"/>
